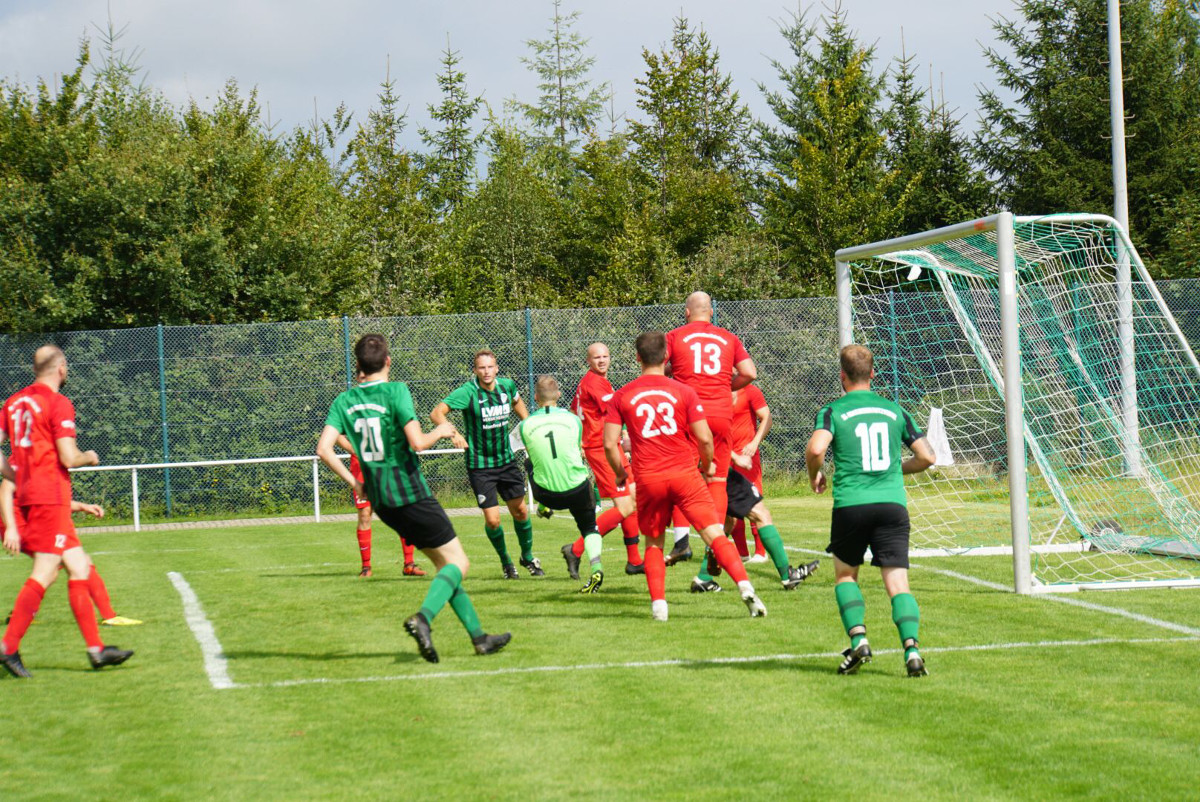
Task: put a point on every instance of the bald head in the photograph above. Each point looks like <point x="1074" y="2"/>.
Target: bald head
<point x="47" y="359"/>
<point x="699" y="306"/>
<point x="598" y="358"/>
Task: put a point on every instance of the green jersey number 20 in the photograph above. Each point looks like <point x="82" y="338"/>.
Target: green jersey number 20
<point x="371" y="446"/>
<point x="874" y="441"/>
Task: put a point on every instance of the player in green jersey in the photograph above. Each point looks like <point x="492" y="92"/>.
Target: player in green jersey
<point x="378" y="418"/>
<point x="487" y="403"/>
<point x="553" y="440"/>
<point x="870" y="508"/>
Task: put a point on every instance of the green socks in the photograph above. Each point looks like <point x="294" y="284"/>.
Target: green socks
<point x="525" y="538"/>
<point x="773" y="543"/>
<point x="441" y="589"/>
<point x="592" y="548"/>
<point x="460" y="602"/>
<point x="907" y="618"/>
<point x="704" y="575"/>
<point x="496" y="536"/>
<point x="852" y="609"/>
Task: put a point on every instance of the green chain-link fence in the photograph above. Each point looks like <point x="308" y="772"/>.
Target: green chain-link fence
<point x="179" y="394"/>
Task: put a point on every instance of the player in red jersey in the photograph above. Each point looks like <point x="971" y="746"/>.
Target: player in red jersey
<point x="591" y="405"/>
<point x="751" y="422"/>
<point x="40" y="423"/>
<point x="363" y="530"/>
<point x="705" y="357"/>
<point x="668" y="435"/>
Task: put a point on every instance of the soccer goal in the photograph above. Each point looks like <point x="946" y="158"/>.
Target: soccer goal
<point x="1056" y="387"/>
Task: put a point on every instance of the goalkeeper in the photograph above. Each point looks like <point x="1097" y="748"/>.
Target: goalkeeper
<point x="557" y="472"/>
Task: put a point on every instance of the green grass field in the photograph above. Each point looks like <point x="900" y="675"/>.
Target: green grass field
<point x="1028" y="698"/>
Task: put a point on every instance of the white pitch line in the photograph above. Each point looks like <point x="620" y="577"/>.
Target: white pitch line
<point x="498" y="672"/>
<point x="215" y="664"/>
<point x="1099" y="608"/>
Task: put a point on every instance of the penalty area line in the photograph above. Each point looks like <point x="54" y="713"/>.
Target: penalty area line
<point x="215" y="663"/>
<point x="716" y="661"/>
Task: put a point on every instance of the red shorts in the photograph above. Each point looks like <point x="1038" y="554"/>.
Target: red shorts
<point x="722" y="433"/>
<point x="606" y="481"/>
<point x="356" y="472"/>
<point x="657" y="497"/>
<point x="46" y="528"/>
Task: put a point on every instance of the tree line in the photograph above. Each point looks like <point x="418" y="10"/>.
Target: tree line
<point x="118" y="208"/>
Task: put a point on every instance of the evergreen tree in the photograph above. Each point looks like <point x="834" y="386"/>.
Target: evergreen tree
<point x="450" y="165"/>
<point x="827" y="183"/>
<point x="1049" y="150"/>
<point x="568" y="105"/>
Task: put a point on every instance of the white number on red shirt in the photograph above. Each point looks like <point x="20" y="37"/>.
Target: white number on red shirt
<point x="665" y="414"/>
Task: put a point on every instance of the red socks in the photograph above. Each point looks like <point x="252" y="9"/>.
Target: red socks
<point x="364" y="545"/>
<point x="727" y="558"/>
<point x="759" y="548"/>
<point x="739" y="538"/>
<point x="81" y="605"/>
<point x="678" y="519"/>
<point x="656" y="573"/>
<point x="608" y="520"/>
<point x="577" y="547"/>
<point x="24" y="609"/>
<point x="409" y="551"/>
<point x="99" y="594"/>
<point x="629" y="530"/>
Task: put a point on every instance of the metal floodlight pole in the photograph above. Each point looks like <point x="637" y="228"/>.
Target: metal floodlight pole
<point x="1130" y="445"/>
<point x="1014" y="411"/>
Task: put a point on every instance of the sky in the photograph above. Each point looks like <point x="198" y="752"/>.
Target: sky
<point x="306" y="57"/>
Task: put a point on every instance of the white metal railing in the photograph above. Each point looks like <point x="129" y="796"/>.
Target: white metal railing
<point x="313" y="458"/>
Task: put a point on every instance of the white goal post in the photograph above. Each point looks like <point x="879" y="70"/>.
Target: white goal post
<point x="1049" y="330"/>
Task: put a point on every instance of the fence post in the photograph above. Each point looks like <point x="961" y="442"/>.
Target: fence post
<point x="346" y="346"/>
<point x="137" y="509"/>
<point x="529" y="349"/>
<point x="162" y="405"/>
<point x="316" y="479"/>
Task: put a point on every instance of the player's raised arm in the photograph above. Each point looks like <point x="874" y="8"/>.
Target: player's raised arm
<point x="423" y="441"/>
<point x="439" y="417"/>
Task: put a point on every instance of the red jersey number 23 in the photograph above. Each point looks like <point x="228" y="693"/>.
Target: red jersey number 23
<point x="657" y="419"/>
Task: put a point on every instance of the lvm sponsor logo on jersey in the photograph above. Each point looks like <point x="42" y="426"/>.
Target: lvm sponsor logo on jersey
<point x="495" y="416"/>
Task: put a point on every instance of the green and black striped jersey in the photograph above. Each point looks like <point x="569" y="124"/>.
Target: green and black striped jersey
<point x="867" y="433"/>
<point x="373" y="416"/>
<point x="485" y="421"/>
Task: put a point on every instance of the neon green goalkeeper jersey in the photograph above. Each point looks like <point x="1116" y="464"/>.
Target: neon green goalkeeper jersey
<point x="373" y="416"/>
<point x="553" y="438"/>
<point x="867" y="432"/>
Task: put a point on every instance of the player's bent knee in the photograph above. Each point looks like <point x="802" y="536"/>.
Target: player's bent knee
<point x="760" y="515"/>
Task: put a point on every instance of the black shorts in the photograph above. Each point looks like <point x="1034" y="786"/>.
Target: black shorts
<point x="743" y="495"/>
<point x="506" y="482"/>
<point x="883" y="527"/>
<point x="423" y="523"/>
<point x="579" y="501"/>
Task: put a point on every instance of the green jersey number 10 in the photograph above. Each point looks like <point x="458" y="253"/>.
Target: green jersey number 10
<point x="874" y="441"/>
<point x="371" y="446"/>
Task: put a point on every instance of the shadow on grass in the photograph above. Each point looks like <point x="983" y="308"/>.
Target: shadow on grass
<point x="322" y="657"/>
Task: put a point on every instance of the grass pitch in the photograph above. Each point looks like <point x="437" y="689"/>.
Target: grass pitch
<point x="1028" y="698"/>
